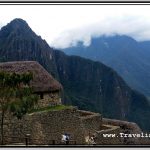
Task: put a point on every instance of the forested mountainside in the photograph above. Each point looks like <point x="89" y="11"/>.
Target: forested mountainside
<point x="130" y="58"/>
<point x="93" y="86"/>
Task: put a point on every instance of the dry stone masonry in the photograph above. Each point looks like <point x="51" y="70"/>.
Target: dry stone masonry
<point x="46" y="126"/>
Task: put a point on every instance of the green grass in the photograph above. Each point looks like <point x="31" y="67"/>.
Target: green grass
<point x="50" y="108"/>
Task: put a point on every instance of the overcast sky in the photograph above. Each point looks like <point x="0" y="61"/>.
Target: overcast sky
<point x="64" y="25"/>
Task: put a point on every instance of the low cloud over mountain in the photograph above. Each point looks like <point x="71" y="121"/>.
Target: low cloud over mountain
<point x="134" y="26"/>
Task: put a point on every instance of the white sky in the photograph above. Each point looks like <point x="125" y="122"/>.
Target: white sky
<point x="64" y="25"/>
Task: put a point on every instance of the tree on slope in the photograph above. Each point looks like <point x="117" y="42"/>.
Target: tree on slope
<point x="16" y="96"/>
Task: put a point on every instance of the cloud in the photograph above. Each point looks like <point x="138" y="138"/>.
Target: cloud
<point x="134" y="26"/>
<point x="64" y="25"/>
<point x="1" y="25"/>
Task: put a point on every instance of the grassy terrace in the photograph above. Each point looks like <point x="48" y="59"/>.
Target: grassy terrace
<point x="50" y="108"/>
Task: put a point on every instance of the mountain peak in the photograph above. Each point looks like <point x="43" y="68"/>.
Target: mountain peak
<point x="18" y="22"/>
<point x="17" y="26"/>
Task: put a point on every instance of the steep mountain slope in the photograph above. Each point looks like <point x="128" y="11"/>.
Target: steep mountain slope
<point x="93" y="86"/>
<point x="87" y="84"/>
<point x="19" y="42"/>
<point x="128" y="57"/>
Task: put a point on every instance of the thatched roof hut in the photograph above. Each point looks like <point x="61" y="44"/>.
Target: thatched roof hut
<point x="42" y="80"/>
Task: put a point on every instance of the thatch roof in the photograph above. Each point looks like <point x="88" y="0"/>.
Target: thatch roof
<point x="42" y="80"/>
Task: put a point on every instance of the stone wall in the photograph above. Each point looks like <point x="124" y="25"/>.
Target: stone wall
<point x="15" y="130"/>
<point x="51" y="125"/>
<point x="91" y="121"/>
<point x="49" y="99"/>
<point x="108" y="129"/>
<point x="44" y="127"/>
<point x="127" y="128"/>
<point x="94" y="125"/>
